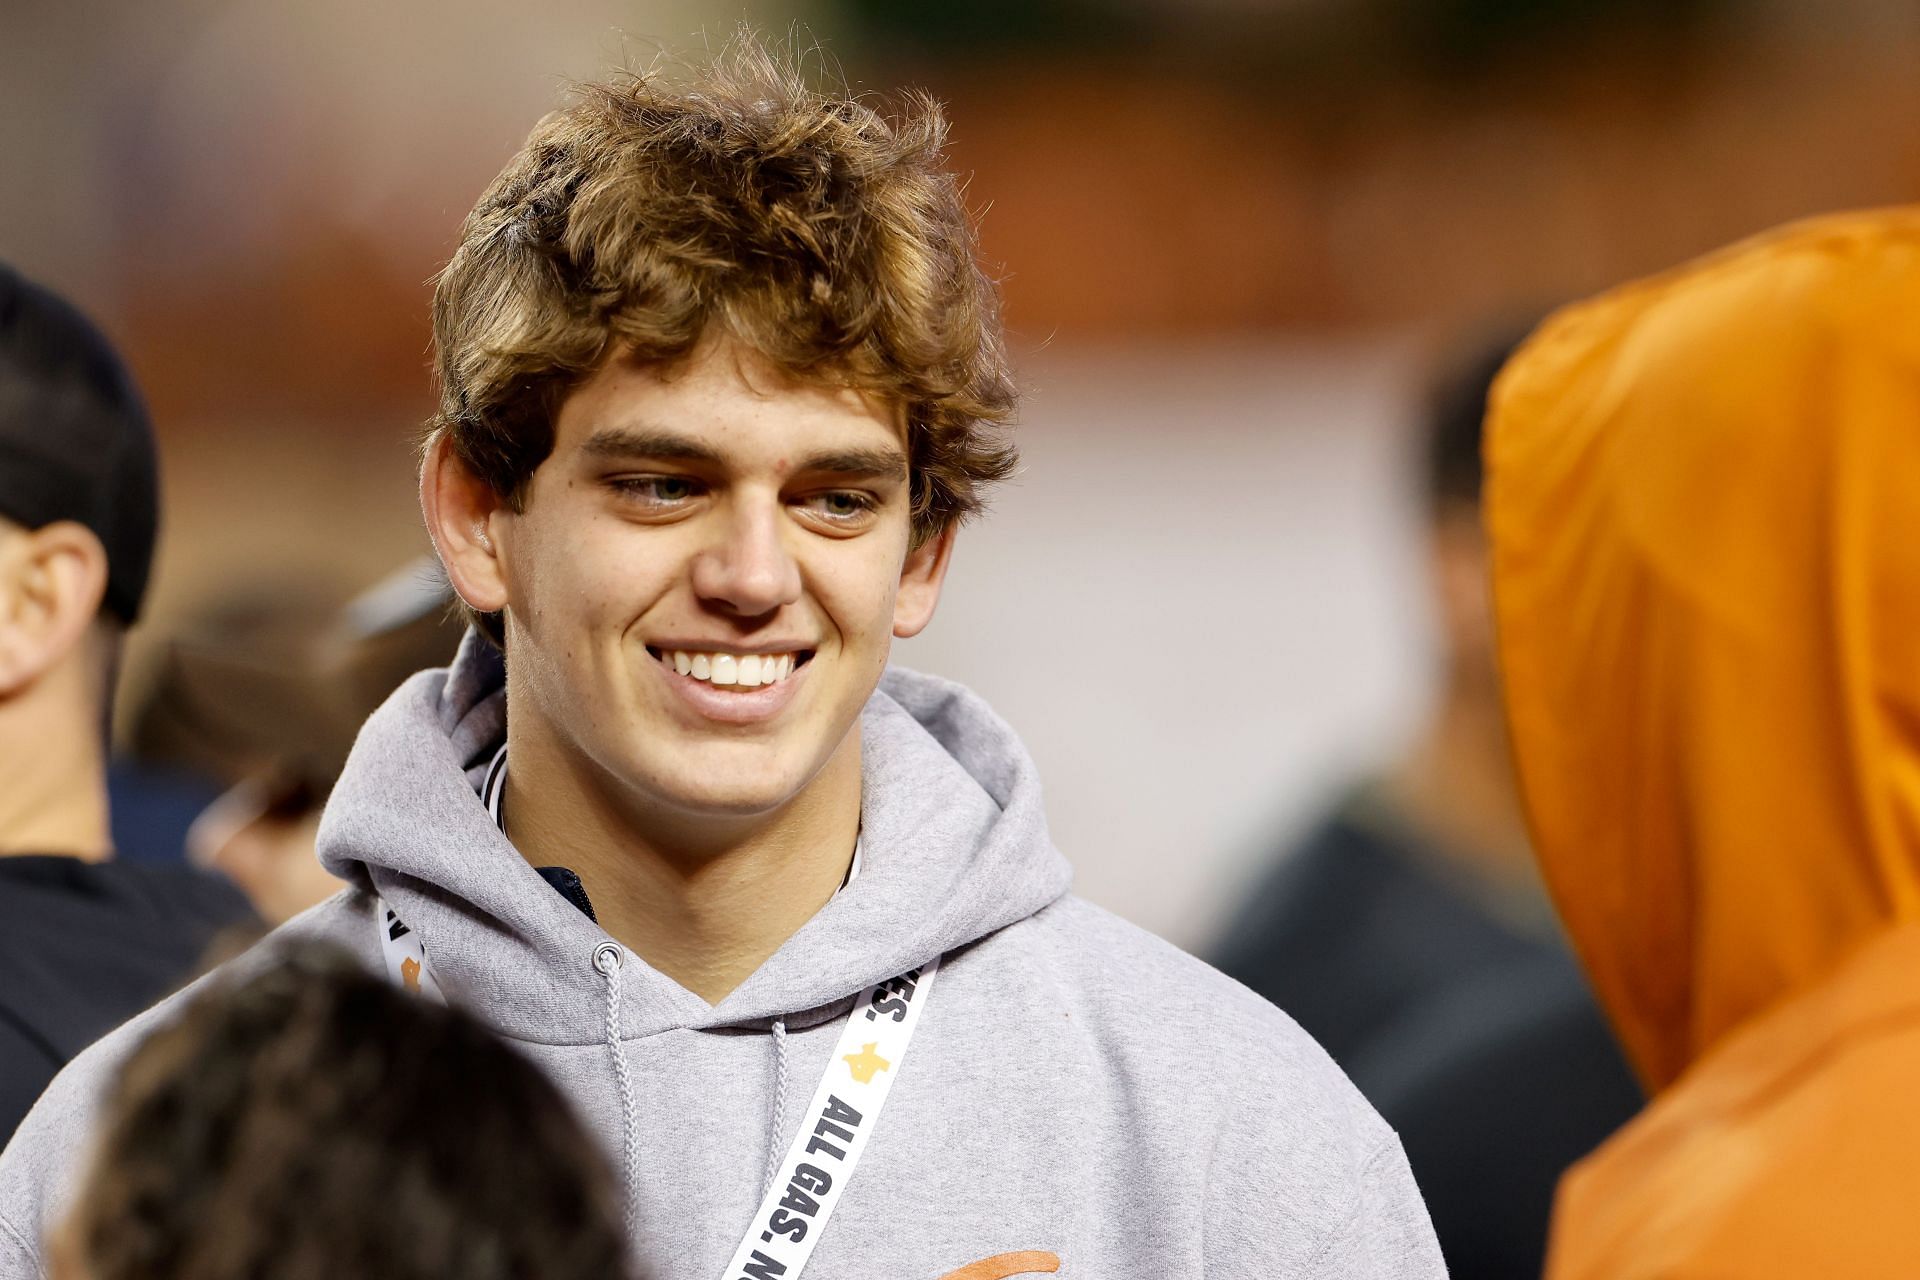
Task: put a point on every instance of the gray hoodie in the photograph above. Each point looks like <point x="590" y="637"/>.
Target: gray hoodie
<point x="1080" y="1096"/>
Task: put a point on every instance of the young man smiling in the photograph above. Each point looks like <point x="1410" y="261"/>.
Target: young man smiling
<point x="700" y="583"/>
<point x="720" y="379"/>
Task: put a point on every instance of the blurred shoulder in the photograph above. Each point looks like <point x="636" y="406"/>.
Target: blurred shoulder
<point x="1798" y="1164"/>
<point x="44" y="1159"/>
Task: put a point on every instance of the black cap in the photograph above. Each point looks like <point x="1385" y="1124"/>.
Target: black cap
<point x="75" y="442"/>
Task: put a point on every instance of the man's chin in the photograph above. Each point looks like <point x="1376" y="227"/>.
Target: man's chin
<point x="728" y="778"/>
<point x="729" y="805"/>
<point x="736" y="786"/>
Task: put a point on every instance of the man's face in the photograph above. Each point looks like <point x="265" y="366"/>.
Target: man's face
<point x="697" y="528"/>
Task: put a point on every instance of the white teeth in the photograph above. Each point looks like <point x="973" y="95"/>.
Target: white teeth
<point x="735" y="670"/>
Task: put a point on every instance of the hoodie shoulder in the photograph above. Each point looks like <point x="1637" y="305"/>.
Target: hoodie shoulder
<point x="45" y="1158"/>
<point x="1300" y="1171"/>
<point x="1146" y="989"/>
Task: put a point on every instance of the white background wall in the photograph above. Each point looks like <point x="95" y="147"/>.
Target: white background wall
<point x="1201" y="604"/>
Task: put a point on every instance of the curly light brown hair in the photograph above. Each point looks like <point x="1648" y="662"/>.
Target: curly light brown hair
<point x="820" y="231"/>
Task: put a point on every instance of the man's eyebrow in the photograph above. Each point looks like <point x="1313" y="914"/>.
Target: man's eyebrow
<point x="615" y="443"/>
<point x="877" y="464"/>
<point x="646" y="442"/>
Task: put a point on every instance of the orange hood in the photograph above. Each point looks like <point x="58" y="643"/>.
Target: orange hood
<point x="1703" y="496"/>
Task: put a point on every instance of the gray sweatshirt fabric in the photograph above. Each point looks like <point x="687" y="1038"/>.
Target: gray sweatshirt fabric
<point x="1080" y="1096"/>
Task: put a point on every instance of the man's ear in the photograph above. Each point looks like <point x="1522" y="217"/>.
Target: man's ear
<point x="52" y="580"/>
<point x="1463" y="588"/>
<point x="462" y="513"/>
<point x="920" y="580"/>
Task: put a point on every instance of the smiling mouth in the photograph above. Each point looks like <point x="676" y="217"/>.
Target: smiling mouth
<point x="732" y="670"/>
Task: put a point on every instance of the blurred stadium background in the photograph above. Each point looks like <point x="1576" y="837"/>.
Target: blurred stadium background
<point x="1231" y="233"/>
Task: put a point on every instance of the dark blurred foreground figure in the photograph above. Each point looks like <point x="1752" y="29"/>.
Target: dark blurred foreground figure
<point x="1409" y="933"/>
<point x="85" y="942"/>
<point x="313" y="1122"/>
<point x="1704" y="504"/>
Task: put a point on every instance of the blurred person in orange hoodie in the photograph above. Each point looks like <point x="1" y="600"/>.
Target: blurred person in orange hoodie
<point x="1407" y="930"/>
<point x="1704" y="505"/>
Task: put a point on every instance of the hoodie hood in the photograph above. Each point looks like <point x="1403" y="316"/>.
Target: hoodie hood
<point x="1703" y="497"/>
<point x="954" y="847"/>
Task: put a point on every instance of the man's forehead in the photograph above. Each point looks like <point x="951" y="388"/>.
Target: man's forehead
<point x="719" y="402"/>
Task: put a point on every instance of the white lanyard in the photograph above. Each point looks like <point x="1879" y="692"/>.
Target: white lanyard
<point x="845" y="1107"/>
<point x="406" y="955"/>
<point x="819" y="1164"/>
<point x="841" y="1118"/>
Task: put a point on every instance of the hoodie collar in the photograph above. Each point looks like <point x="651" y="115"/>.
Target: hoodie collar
<point x="954" y="847"/>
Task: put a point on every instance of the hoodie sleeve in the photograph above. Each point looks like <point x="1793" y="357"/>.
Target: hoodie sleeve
<point x="1304" y="1178"/>
<point x="18" y="1261"/>
<point x="43" y="1159"/>
<point x="1388" y="1234"/>
<point x="1374" y="1228"/>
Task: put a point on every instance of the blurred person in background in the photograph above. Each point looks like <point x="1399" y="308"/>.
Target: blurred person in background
<point x="153" y="808"/>
<point x="1704" y="505"/>
<point x="721" y="377"/>
<point x="85" y="941"/>
<point x="264" y="691"/>
<point x="1408" y="932"/>
<point x="311" y="1121"/>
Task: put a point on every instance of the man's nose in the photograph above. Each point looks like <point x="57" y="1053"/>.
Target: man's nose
<point x="748" y="568"/>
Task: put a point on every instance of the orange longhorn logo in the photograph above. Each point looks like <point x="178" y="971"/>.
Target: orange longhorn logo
<point x="1002" y="1265"/>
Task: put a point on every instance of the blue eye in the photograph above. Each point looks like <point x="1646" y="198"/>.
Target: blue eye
<point x="843" y="506"/>
<point x="658" y="491"/>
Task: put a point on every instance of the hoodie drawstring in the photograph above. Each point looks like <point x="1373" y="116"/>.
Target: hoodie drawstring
<point x="779" y="1124"/>
<point x="607" y="958"/>
<point x="606" y="961"/>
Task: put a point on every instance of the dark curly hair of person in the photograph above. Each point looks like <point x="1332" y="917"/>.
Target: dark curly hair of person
<point x="819" y="230"/>
<point x="314" y="1122"/>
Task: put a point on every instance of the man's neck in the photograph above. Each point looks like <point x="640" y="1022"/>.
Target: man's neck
<point x="704" y="903"/>
<point x="54" y="800"/>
